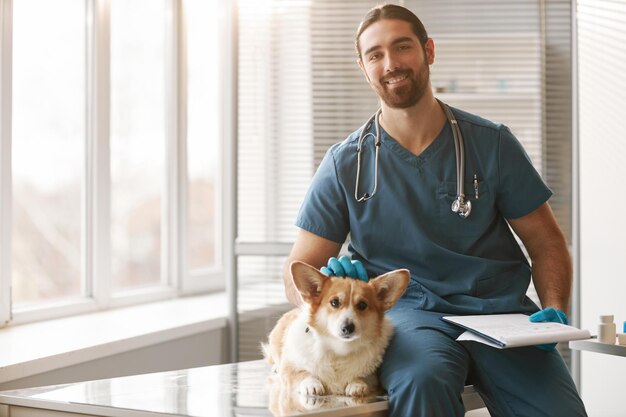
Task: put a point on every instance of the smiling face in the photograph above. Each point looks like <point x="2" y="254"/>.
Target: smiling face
<point x="395" y="63"/>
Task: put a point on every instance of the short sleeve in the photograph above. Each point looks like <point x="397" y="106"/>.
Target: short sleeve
<point x="324" y="211"/>
<point x="521" y="189"/>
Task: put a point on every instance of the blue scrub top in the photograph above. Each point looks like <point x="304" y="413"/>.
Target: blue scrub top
<point x="458" y="266"/>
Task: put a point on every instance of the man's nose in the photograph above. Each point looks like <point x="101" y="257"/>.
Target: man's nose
<point x="391" y="62"/>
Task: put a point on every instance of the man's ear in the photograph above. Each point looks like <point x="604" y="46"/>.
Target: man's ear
<point x="308" y="280"/>
<point x="390" y="286"/>
<point x="429" y="48"/>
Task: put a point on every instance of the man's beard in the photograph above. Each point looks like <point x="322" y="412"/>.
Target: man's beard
<point x="407" y="95"/>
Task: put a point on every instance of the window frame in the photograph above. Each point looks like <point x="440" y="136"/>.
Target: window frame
<point x="191" y="281"/>
<point x="176" y="279"/>
<point x="6" y="65"/>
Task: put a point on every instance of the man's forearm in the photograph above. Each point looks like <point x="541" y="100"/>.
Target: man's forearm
<point x="552" y="276"/>
<point x="551" y="263"/>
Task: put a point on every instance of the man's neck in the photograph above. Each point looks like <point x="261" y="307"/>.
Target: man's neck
<point x="416" y="127"/>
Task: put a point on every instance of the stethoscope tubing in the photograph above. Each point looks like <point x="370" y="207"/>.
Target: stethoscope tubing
<point x="459" y="205"/>
<point x="459" y="150"/>
<point x="362" y="137"/>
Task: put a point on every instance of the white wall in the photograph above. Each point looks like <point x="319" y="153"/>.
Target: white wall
<point x="602" y="139"/>
<point x="207" y="348"/>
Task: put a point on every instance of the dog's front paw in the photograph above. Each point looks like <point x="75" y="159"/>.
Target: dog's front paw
<point x="357" y="388"/>
<point x="311" y="386"/>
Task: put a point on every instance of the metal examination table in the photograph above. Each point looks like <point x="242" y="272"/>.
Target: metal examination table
<point x="239" y="389"/>
<point x="232" y="390"/>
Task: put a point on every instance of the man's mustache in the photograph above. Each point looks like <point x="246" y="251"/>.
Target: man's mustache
<point x="394" y="74"/>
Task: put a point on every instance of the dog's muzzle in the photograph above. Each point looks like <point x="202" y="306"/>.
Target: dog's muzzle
<point x="347" y="329"/>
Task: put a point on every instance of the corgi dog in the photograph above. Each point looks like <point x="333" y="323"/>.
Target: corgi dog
<point x="335" y="342"/>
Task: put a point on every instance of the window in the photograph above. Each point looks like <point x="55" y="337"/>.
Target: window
<point x="48" y="147"/>
<point x="138" y="127"/>
<point x="110" y="140"/>
<point x="203" y="127"/>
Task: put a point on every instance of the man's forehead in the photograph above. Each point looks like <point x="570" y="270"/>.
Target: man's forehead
<point x="385" y="31"/>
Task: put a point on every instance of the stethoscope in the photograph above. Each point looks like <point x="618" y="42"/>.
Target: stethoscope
<point x="460" y="205"/>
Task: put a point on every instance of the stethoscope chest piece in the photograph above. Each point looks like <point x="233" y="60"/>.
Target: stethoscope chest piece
<point x="461" y="207"/>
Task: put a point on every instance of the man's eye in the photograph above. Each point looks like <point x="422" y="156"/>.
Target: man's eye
<point x="361" y="305"/>
<point x="374" y="57"/>
<point x="334" y="303"/>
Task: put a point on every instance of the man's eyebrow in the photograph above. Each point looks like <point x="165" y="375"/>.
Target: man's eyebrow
<point x="395" y="42"/>
<point x="371" y="49"/>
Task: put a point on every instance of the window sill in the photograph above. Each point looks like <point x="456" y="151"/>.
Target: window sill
<point x="34" y="348"/>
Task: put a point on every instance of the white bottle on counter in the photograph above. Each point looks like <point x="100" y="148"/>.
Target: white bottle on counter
<point x="606" y="330"/>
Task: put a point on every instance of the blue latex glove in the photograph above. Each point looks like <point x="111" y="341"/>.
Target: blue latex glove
<point x="344" y="267"/>
<point x="551" y="315"/>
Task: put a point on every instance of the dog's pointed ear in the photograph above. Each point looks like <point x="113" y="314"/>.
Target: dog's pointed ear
<point x="390" y="286"/>
<point x="308" y="280"/>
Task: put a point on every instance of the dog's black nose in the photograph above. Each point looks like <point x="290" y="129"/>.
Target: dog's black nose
<point x="347" y="329"/>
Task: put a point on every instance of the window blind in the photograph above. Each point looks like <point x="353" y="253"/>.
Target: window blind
<point x="275" y="134"/>
<point x="342" y="99"/>
<point x="557" y="93"/>
<point x="274" y="154"/>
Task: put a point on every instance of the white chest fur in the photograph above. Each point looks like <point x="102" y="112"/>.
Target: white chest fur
<point x="333" y="361"/>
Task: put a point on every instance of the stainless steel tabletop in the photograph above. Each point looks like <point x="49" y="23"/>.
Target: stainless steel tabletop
<point x="241" y="389"/>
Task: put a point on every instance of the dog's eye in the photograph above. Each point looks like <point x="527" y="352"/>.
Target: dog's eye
<point x="361" y="305"/>
<point x="334" y="302"/>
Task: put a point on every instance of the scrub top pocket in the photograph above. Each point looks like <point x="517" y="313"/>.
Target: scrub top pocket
<point x="480" y="218"/>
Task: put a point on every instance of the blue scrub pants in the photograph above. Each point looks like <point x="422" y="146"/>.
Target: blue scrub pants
<point x="425" y="370"/>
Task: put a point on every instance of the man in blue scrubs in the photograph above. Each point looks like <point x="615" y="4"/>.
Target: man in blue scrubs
<point x="458" y="265"/>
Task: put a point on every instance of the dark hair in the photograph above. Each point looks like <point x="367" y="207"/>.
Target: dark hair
<point x="391" y="11"/>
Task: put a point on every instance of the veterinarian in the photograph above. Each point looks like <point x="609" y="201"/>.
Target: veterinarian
<point x="400" y="216"/>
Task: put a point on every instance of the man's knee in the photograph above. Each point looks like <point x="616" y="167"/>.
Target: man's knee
<point x="423" y="389"/>
<point x="421" y="377"/>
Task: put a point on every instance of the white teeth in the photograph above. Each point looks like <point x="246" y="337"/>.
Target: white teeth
<point x="396" y="79"/>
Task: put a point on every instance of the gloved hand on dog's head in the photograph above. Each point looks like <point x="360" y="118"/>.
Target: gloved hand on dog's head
<point x="344" y="267"/>
<point x="551" y="315"/>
